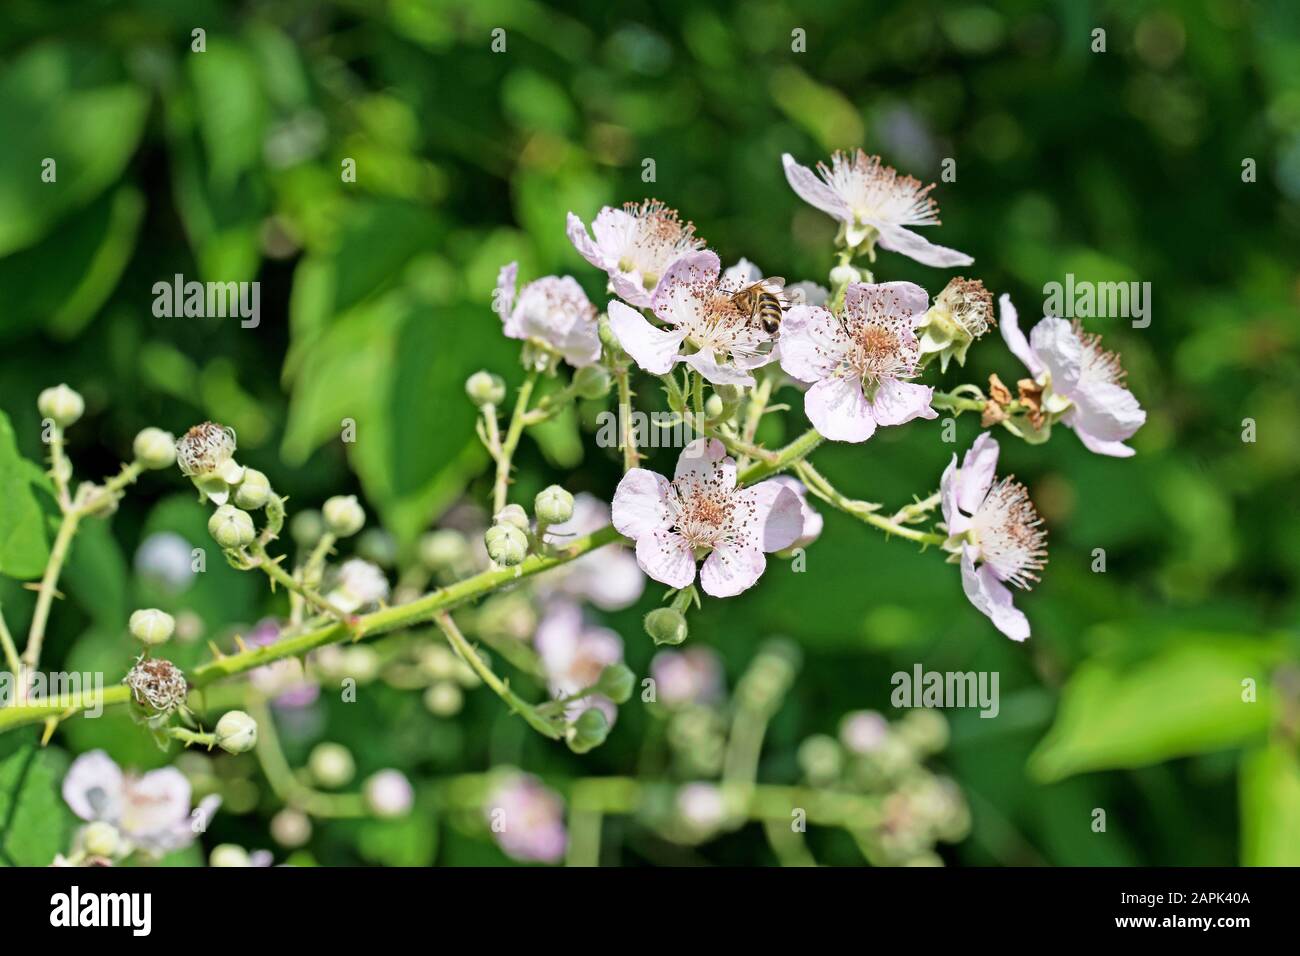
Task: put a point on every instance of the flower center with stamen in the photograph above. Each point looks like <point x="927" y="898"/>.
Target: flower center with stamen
<point x="1097" y="364"/>
<point x="655" y="240"/>
<point x="703" y="511"/>
<point x="1010" y="534"/>
<point x="873" y="191"/>
<point x="877" y="352"/>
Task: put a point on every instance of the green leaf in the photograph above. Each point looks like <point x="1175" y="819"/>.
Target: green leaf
<point x="65" y="104"/>
<point x="35" y="823"/>
<point x="410" y="841"/>
<point x="1270" y="806"/>
<point x="1184" y="699"/>
<point x="24" y="546"/>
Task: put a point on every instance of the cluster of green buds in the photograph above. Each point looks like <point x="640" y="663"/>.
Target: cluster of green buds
<point x="513" y="535"/>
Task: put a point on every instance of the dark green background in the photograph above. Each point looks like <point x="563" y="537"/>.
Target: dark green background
<point x="1119" y="166"/>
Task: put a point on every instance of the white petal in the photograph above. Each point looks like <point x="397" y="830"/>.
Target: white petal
<point x="1058" y="347"/>
<point x="705" y="363"/>
<point x="577" y="233"/>
<point x="839" y="411"/>
<point x="778" y="514"/>
<point x="1105" y="411"/>
<point x="655" y="350"/>
<point x="1009" y="323"/>
<point x="743" y="273"/>
<point x="730" y="570"/>
<point x="676" y="296"/>
<point x="896" y="403"/>
<point x="505" y="293"/>
<point x="666" y="557"/>
<point x="953" y="519"/>
<point x="705" y="460"/>
<point x="992" y="598"/>
<point x="812" y="343"/>
<point x="641" y="503"/>
<point x="627" y="286"/>
<point x="155" y="803"/>
<point x="93" y="787"/>
<point x="809" y="187"/>
<point x="1115" y="449"/>
<point x="978" y="468"/>
<point x="908" y="243"/>
<point x="886" y="299"/>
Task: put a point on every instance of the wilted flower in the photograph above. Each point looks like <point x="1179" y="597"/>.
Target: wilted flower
<point x="999" y="535"/>
<point x="700" y="510"/>
<point x="610" y="579"/>
<point x="157" y="684"/>
<point x="574" y="654"/>
<point x="151" y="812"/>
<point x="698" y="313"/>
<point x="1081" y="381"/>
<point x="961" y="313"/>
<point x="552" y="311"/>
<point x="872" y="200"/>
<point x="692" y="676"/>
<point x="206" y="449"/>
<point x="859" y="362"/>
<point x="358" y="584"/>
<point x="527" y="819"/>
<point x="634" y="246"/>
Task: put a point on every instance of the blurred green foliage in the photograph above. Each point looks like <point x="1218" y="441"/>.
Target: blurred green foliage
<point x="227" y="165"/>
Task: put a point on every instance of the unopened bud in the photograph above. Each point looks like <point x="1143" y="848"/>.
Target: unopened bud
<point x="843" y="275"/>
<point x="616" y="682"/>
<point x="506" y="545"/>
<point x="254" y="491"/>
<point x="666" y="625"/>
<point x="591" y="381"/>
<point x="343" y="515"/>
<point x="388" y="794"/>
<point x="553" y="505"/>
<point x="331" y="765"/>
<point x="588" y="731"/>
<point x="514" y="515"/>
<point x="229" y="854"/>
<point x="101" y="839"/>
<point x="154" y="448"/>
<point x="484" y="388"/>
<point x="231" y="528"/>
<point x="151" y="626"/>
<point x="443" y="550"/>
<point x="307" y="527"/>
<point x="236" y="732"/>
<point x="61" y="404"/>
<point x="291" y="828"/>
<point x="443" y="699"/>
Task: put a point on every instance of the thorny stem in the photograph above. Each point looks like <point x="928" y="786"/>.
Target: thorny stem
<point x="951" y="402"/>
<point x="189" y="737"/>
<point x="466" y="652"/>
<point x="862" y="510"/>
<point x="385" y="620"/>
<point x="272" y="569"/>
<point x="10" y="649"/>
<point x="507" y="448"/>
<point x="627" y="431"/>
<point x="783" y="458"/>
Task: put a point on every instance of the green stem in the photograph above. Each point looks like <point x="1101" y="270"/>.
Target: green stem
<point x="281" y="577"/>
<point x="627" y="432"/>
<point x="782" y="459"/>
<point x="862" y="510"/>
<point x="754" y="411"/>
<point x="286" y="786"/>
<point x="507" y="447"/>
<point x="10" y="649"/>
<point x="189" y="737"/>
<point x="419" y="611"/>
<point x="471" y="657"/>
<point x="946" y="401"/>
<point x="49" y="584"/>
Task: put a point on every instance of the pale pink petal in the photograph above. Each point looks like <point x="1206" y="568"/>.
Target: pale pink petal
<point x="810" y="188"/>
<point x="577" y="233"/>
<point x="705" y="363"/>
<point x="666" y="557"/>
<point x="706" y="460"/>
<point x="838" y="409"/>
<point x="641" y="503"/>
<point x="954" y="520"/>
<point x="1060" y="350"/>
<point x="505" y="293"/>
<point x="978" y="468"/>
<point x="777" y="514"/>
<point x="655" y="350"/>
<point x="992" y="598"/>
<point x="896" y="403"/>
<point x="811" y="519"/>
<point x="679" y="286"/>
<point x="155" y="803"/>
<point x="93" y="787"/>
<point x="628" y="287"/>
<point x="731" y="569"/>
<point x="886" y="299"/>
<point x="907" y="243"/>
<point x="742" y="274"/>
<point x="1105" y="411"/>
<point x="812" y="343"/>
<point x="1115" y="449"/>
<point x="1009" y="323"/>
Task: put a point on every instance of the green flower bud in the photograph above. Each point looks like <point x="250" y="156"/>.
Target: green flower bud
<point x="616" y="682"/>
<point x="343" y="515"/>
<point x="377" y="546"/>
<point x="925" y="731"/>
<point x="231" y="528"/>
<point x="714" y="407"/>
<point x="306" y="527"/>
<point x="506" y="545"/>
<point x="229" y="854"/>
<point x="254" y="491"/>
<point x="101" y="839"/>
<point x="331" y="765"/>
<point x="443" y="699"/>
<point x="822" y="759"/>
<point x="154" y="448"/>
<point x="666" y="625"/>
<point x="443" y="550"/>
<point x="592" y="381"/>
<point x="484" y="388"/>
<point x="606" y="332"/>
<point x="553" y="505"/>
<point x="843" y="275"/>
<point x="587" y="732"/>
<point x="236" y="732"/>
<point x="61" y="404"/>
<point x="151" y="626"/>
<point x="514" y="515"/>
